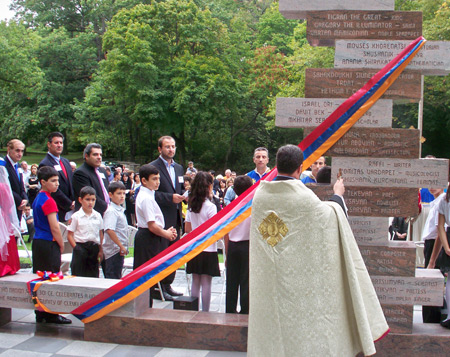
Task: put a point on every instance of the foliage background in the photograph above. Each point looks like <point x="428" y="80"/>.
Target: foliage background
<point x="125" y="72"/>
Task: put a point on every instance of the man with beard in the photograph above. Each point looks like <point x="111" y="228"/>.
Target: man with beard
<point x="169" y="197"/>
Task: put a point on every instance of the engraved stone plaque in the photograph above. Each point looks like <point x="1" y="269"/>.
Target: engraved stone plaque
<point x="394" y="259"/>
<point x="433" y="58"/>
<point x="374" y="202"/>
<point x="310" y="112"/>
<point x="370" y="230"/>
<point x="63" y="296"/>
<point x="399" y="317"/>
<point x="371" y="172"/>
<point x="426" y="288"/>
<point x="395" y="143"/>
<point x="297" y="9"/>
<point x="324" y="27"/>
<point x="342" y="83"/>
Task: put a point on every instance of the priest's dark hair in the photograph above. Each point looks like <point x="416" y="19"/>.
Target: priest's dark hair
<point x="289" y="158"/>
<point x="199" y="191"/>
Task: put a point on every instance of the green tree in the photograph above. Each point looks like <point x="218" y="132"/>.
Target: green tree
<point x="275" y="30"/>
<point x="19" y="69"/>
<point x="20" y="80"/>
<point x="159" y="59"/>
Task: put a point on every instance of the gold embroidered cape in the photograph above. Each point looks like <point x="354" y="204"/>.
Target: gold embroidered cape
<point x="310" y="293"/>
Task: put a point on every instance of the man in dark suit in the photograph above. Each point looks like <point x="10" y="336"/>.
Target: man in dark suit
<point x="169" y="196"/>
<point x="15" y="149"/>
<point x="64" y="197"/>
<point x="91" y="174"/>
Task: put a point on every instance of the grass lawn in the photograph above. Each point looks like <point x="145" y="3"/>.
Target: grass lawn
<point x="27" y="261"/>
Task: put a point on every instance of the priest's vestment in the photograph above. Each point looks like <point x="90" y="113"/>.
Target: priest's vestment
<point x="310" y="293"/>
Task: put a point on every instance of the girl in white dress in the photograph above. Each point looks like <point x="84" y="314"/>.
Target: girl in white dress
<point x="205" y="265"/>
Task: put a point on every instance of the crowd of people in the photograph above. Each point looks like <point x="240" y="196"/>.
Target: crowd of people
<point x="99" y="203"/>
<point x="163" y="201"/>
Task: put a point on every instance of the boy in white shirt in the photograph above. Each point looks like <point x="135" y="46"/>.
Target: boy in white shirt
<point x="85" y="235"/>
<point x="237" y="249"/>
<point x="149" y="240"/>
<point x="115" y="246"/>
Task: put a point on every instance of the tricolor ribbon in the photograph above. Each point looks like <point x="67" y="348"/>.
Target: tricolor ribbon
<point x="313" y="146"/>
<point x="35" y="284"/>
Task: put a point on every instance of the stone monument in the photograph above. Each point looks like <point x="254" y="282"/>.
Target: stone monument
<point x="380" y="165"/>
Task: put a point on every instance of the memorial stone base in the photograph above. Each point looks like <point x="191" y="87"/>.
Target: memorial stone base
<point x="173" y="328"/>
<point x="228" y="332"/>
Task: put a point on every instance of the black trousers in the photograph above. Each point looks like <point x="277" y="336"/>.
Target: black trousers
<point x="170" y="278"/>
<point x="85" y="260"/>
<point x="146" y="246"/>
<point x="237" y="276"/>
<point x="46" y="257"/>
<point x="113" y="266"/>
<point x="430" y="314"/>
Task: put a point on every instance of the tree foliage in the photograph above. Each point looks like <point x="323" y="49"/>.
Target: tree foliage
<point x="208" y="72"/>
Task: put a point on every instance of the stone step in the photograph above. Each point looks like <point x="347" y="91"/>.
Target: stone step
<point x="173" y="328"/>
<point x="228" y="332"/>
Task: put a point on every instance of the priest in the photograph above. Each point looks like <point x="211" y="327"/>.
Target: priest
<point x="310" y="293"/>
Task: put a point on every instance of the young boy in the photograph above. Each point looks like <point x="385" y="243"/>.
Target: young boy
<point x="115" y="246"/>
<point x="85" y="235"/>
<point x="28" y="217"/>
<point x="237" y="244"/>
<point x="47" y="244"/>
<point x="149" y="240"/>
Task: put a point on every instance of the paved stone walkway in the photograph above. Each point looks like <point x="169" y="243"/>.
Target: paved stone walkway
<point x="23" y="337"/>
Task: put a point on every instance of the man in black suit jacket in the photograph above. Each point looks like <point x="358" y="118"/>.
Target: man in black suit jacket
<point x="90" y="174"/>
<point x="169" y="196"/>
<point x="15" y="149"/>
<point x="64" y="197"/>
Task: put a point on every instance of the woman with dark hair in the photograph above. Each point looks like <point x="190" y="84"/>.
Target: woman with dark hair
<point x="33" y="185"/>
<point x="129" y="207"/>
<point x="220" y="193"/>
<point x="205" y="265"/>
<point x="443" y="260"/>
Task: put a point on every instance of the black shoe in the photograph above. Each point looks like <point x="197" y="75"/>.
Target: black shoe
<point x="445" y="323"/>
<point x="168" y="289"/>
<point x="167" y="297"/>
<point x="54" y="319"/>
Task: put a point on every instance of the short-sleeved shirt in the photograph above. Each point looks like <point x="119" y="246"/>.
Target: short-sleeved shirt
<point x="430" y="228"/>
<point x="241" y="232"/>
<point x="114" y="219"/>
<point x="86" y="228"/>
<point x="444" y="208"/>
<point x="147" y="210"/>
<point x="43" y="205"/>
<point x="207" y="211"/>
